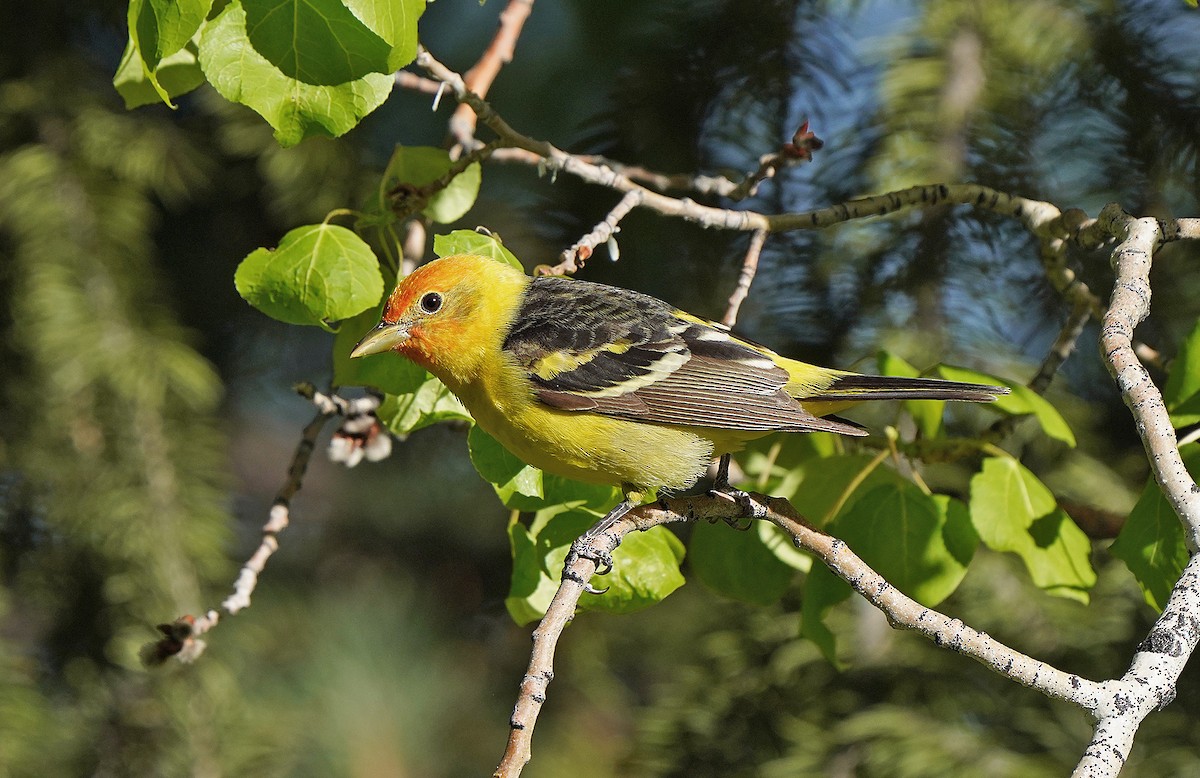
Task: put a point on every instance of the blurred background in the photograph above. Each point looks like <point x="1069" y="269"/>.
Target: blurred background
<point x="146" y="417"/>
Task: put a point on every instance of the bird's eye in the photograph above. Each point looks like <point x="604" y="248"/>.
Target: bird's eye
<point x="431" y="302"/>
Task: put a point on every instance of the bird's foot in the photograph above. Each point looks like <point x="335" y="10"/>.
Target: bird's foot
<point x="750" y="509"/>
<point x="583" y="547"/>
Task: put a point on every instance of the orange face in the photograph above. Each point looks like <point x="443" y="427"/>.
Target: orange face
<point x="445" y="313"/>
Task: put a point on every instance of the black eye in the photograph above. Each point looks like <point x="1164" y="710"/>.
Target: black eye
<point x="431" y="302"/>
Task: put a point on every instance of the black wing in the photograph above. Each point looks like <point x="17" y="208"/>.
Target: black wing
<point x="590" y="347"/>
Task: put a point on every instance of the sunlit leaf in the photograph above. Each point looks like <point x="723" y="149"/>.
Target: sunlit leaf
<point x="157" y="30"/>
<point x="927" y="414"/>
<point x="320" y="273"/>
<point x="1023" y="401"/>
<point x="1013" y="511"/>
<point x="412" y="167"/>
<point x="295" y="108"/>
<point x="531" y="587"/>
<point x="176" y="74"/>
<point x="645" y="565"/>
<point x="472" y="242"/>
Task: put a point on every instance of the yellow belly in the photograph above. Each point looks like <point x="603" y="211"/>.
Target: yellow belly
<point x="598" y="449"/>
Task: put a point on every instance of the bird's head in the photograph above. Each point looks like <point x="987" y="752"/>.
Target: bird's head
<point x="447" y="315"/>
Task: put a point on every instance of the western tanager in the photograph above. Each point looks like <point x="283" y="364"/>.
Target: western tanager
<point x="605" y="385"/>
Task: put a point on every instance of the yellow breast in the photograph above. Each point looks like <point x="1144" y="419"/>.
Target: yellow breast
<point x="587" y="446"/>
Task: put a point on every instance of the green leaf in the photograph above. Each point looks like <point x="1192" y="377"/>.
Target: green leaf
<point x="900" y="532"/>
<point x="396" y="22"/>
<point x="472" y="242"/>
<point x="738" y="564"/>
<point x="822" y="591"/>
<point x="157" y="30"/>
<point x="526" y="488"/>
<point x="780" y="544"/>
<point x="318" y="42"/>
<point x="827" y="482"/>
<point x="296" y="109"/>
<point x="645" y="571"/>
<point x="509" y="476"/>
<point x="645" y="565"/>
<point x="320" y="273"/>
<point x="176" y="74"/>
<point x="1182" y="392"/>
<point x="430" y="403"/>
<point x="1022" y="402"/>
<point x="532" y="587"/>
<point x="927" y="414"/>
<point x="412" y="167"/>
<point x="1013" y="511"/>
<point x="1152" y="543"/>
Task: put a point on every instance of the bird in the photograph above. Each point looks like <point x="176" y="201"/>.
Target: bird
<point x="606" y="385"/>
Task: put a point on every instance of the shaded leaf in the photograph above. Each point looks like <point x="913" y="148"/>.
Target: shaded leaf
<point x="1152" y="543"/>
<point x="738" y="564"/>
<point x="900" y="532"/>
<point x="412" y="167"/>
<point x="822" y="590"/>
<point x="317" y="42"/>
<point x="509" y="476"/>
<point x="1182" y="392"/>
<point x="840" y="479"/>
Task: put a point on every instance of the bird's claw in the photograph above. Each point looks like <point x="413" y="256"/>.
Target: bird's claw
<point x="750" y="508"/>
<point x="582" y="548"/>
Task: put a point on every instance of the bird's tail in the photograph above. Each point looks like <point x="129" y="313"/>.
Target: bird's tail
<point x="853" y="387"/>
<point x="825" y="391"/>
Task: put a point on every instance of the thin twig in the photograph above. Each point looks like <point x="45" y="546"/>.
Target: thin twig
<point x="480" y="77"/>
<point x="182" y="637"/>
<point x="745" y="278"/>
<point x="406" y="79"/>
<point x="573" y="258"/>
<point x="1041" y="218"/>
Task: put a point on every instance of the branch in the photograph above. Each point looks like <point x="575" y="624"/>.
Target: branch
<point x="1149" y="683"/>
<point x="749" y="268"/>
<point x="1041" y="218"/>
<point x="480" y="77"/>
<point x="572" y="259"/>
<point x="902" y="612"/>
<point x="181" y="638"/>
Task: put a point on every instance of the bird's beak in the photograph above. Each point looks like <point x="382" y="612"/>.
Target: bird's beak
<point x="383" y="338"/>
